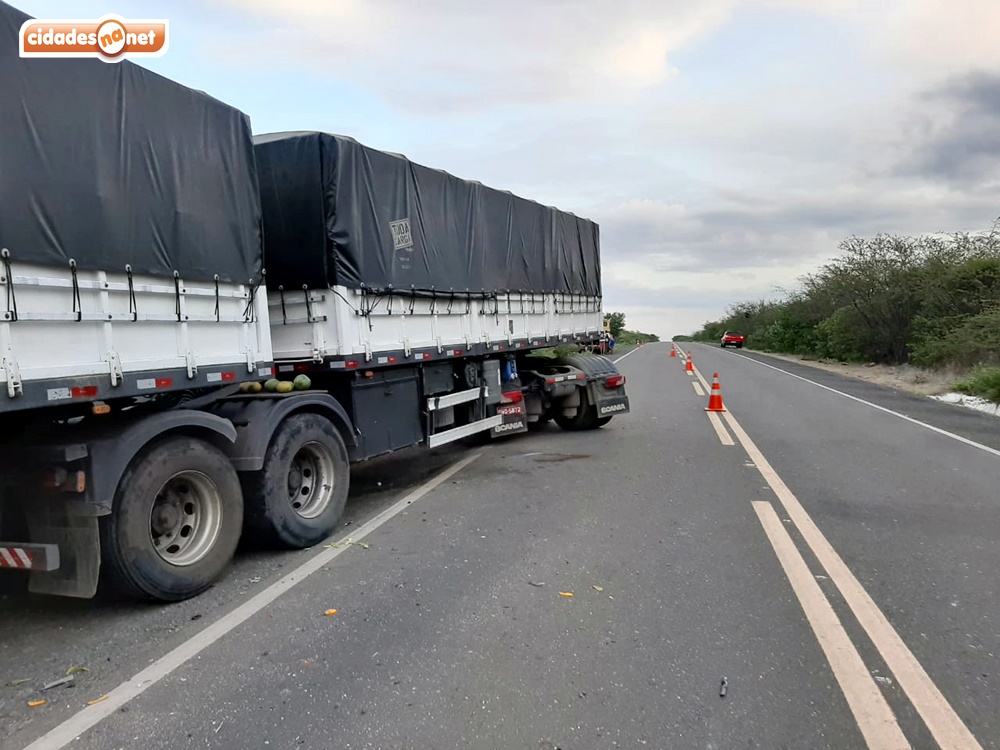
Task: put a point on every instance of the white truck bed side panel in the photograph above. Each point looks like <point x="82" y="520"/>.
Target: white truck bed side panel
<point x="52" y="328"/>
<point x="333" y="326"/>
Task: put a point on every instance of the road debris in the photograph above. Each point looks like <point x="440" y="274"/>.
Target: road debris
<point x="348" y="542"/>
<point x="723" y="688"/>
<point x="74" y="670"/>
<point x="15" y="683"/>
<point x="97" y="700"/>
<point x="598" y="589"/>
<point x="567" y="594"/>
<point x="35" y="704"/>
<point x="57" y="683"/>
<point x="536" y="585"/>
<point x="330" y="612"/>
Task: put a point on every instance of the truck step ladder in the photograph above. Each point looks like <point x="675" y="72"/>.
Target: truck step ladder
<point x="457" y="433"/>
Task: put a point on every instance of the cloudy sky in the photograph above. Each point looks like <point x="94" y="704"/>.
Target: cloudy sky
<point x="724" y="146"/>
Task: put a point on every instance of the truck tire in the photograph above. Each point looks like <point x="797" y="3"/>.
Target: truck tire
<point x="585" y="418"/>
<point x="539" y="423"/>
<point x="297" y="499"/>
<point x="175" y="522"/>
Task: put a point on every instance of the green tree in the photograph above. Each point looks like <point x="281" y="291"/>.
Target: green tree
<point x="934" y="300"/>
<point x="617" y="321"/>
<point x="635" y="337"/>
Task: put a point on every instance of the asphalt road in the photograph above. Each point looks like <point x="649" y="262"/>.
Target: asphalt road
<point x="690" y="562"/>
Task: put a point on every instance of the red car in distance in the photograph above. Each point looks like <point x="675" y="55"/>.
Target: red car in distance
<point x="733" y="338"/>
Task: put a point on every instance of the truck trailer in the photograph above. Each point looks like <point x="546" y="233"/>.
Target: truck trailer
<point x="201" y="329"/>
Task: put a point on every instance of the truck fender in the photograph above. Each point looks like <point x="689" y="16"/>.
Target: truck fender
<point x="597" y="368"/>
<point x="257" y="418"/>
<point x="111" y="455"/>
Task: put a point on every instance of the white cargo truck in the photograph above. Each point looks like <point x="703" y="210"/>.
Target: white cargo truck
<point x="201" y="330"/>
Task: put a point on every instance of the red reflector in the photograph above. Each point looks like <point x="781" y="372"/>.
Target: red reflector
<point x="87" y="391"/>
<point x="15" y="557"/>
<point x="550" y="381"/>
<point x="228" y="376"/>
<point x="301" y="368"/>
<point x="511" y="397"/>
<point x="458" y="352"/>
<point x="392" y="360"/>
<point x="164" y="382"/>
<point x="615" y="381"/>
<point x="352" y="363"/>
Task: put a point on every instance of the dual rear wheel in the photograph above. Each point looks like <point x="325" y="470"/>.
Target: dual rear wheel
<point x="181" y="508"/>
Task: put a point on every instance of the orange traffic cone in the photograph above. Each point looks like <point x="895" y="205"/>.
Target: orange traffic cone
<point x="673" y="352"/>
<point x="689" y="365"/>
<point x="715" y="400"/>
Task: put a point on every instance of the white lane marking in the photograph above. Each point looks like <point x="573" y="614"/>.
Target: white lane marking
<point x="697" y="374"/>
<point x="720" y="430"/>
<point x="931" y="427"/>
<point x="697" y="389"/>
<point x="940" y="718"/>
<point x="73" y="727"/>
<point x="875" y="718"/>
<point x="616" y="361"/>
<point x="713" y="417"/>
<point x="934" y="709"/>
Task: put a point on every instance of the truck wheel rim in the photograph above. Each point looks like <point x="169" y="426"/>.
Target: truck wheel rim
<point x="311" y="480"/>
<point x="186" y="518"/>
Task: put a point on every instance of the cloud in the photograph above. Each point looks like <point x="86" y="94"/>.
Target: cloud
<point x="715" y="175"/>
<point x="764" y="232"/>
<point x="956" y="135"/>
<point x="436" y="57"/>
<point x="935" y="38"/>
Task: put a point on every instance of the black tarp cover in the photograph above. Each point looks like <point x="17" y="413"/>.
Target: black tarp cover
<point x="336" y="212"/>
<point x="111" y="164"/>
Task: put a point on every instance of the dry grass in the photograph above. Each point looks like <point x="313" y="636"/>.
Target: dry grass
<point x="901" y="377"/>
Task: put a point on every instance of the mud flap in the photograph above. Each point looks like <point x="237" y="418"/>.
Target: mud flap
<point x="609" y="401"/>
<point x="515" y="420"/>
<point x="79" y="544"/>
<point x="609" y="407"/>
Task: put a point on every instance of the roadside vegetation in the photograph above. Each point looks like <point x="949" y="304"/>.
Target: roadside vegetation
<point x="929" y="302"/>
<point x="984" y="382"/>
<point x="623" y="336"/>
